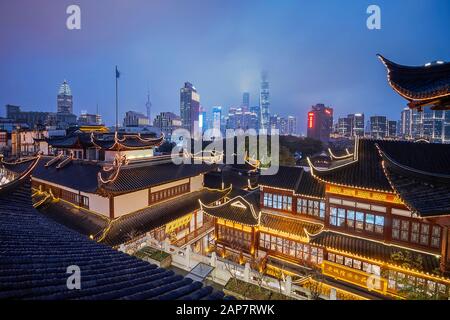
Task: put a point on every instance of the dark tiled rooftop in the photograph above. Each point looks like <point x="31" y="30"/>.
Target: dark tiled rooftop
<point x="157" y="215"/>
<point x="36" y="251"/>
<point x="371" y="249"/>
<point x="239" y="209"/>
<point x="296" y="179"/>
<point x="422" y="82"/>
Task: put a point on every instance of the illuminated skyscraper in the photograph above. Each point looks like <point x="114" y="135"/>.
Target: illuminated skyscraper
<point x="264" y="102"/>
<point x="246" y="100"/>
<point x="189" y="107"/>
<point x="320" y="122"/>
<point x="65" y="99"/>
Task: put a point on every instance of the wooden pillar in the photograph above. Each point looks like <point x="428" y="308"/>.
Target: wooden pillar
<point x="445" y="251"/>
<point x="111" y="207"/>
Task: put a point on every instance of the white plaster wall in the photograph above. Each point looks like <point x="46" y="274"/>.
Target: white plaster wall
<point x="98" y="203"/>
<point x="130" y="202"/>
<point x="197" y="183"/>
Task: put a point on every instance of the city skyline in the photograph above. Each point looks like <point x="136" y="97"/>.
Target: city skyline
<point x="305" y="67"/>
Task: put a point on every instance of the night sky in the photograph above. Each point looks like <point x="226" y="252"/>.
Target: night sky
<point x="314" y="51"/>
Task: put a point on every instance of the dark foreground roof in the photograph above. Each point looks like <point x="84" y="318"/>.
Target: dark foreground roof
<point x="373" y="250"/>
<point x="36" y="251"/>
<point x="421" y="85"/>
<point x="296" y="179"/>
<point x="426" y="193"/>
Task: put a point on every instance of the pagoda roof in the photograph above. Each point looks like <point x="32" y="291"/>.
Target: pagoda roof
<point x="421" y="85"/>
<point x="241" y="209"/>
<point x="133" y="177"/>
<point x="33" y="244"/>
<point x="298" y="180"/>
<point x="417" y="172"/>
<point x="157" y="215"/>
<point x="368" y="249"/>
<point x="425" y="193"/>
<point x="289" y="225"/>
<point x="123" y="142"/>
<point x="76" y="140"/>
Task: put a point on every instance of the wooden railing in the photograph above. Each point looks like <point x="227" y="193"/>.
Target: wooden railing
<point x="207" y="226"/>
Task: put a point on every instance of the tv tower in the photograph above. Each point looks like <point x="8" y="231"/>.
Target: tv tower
<point x="148" y="106"/>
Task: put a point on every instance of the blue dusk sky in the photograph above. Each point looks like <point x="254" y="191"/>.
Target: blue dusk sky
<point x="314" y="52"/>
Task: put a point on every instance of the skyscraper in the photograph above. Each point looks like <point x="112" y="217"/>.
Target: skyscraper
<point x="292" y="125"/>
<point x="189" y="108"/>
<point x="264" y="102"/>
<point x="320" y="122"/>
<point x="433" y="125"/>
<point x="392" y="128"/>
<point x="65" y="99"/>
<point x="217" y="117"/>
<point x="356" y="124"/>
<point x="246" y="100"/>
<point x="378" y="127"/>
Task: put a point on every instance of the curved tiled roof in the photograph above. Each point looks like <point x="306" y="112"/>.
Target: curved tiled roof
<point x="364" y="171"/>
<point x="237" y="209"/>
<point x="297" y="227"/>
<point x="425" y="193"/>
<point x="37" y="251"/>
<point x="296" y="179"/>
<point x="371" y="249"/>
<point x="127" y="142"/>
<point x="157" y="215"/>
<point x="422" y="83"/>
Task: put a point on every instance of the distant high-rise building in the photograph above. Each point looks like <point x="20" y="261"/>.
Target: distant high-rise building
<point x="33" y="119"/>
<point x="89" y="119"/>
<point x="246" y="100"/>
<point x="392" y="128"/>
<point x="264" y="102"/>
<point x="256" y="110"/>
<point x="148" y="108"/>
<point x="65" y="99"/>
<point x="433" y="125"/>
<point x="378" y="127"/>
<point x="405" y="123"/>
<point x="167" y="122"/>
<point x="217" y="118"/>
<point x="202" y="123"/>
<point x="356" y="124"/>
<point x="135" y="119"/>
<point x="284" y="126"/>
<point x="292" y="125"/>
<point x="344" y="127"/>
<point x="320" y="122"/>
<point x="189" y="107"/>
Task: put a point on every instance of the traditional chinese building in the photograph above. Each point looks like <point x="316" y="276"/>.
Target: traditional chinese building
<point x="382" y="210"/>
<point x="116" y="190"/>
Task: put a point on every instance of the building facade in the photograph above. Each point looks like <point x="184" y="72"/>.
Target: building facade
<point x="189" y="108"/>
<point x="320" y="122"/>
<point x="264" y="102"/>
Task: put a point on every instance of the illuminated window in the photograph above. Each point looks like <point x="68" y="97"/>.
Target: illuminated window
<point x="370" y="222"/>
<point x="331" y="257"/>
<point x="356" y="264"/>
<point x="395" y="228"/>
<point x="348" y="262"/>
<point x="379" y="224"/>
<point x="339" y="259"/>
<point x="359" y="220"/>
<point x="424" y="234"/>
<point x="436" y="237"/>
<point x="322" y="210"/>
<point x="404" y="230"/>
<point x="333" y="216"/>
<point x="341" y="217"/>
<point x="415" y="230"/>
<point x="350" y="219"/>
